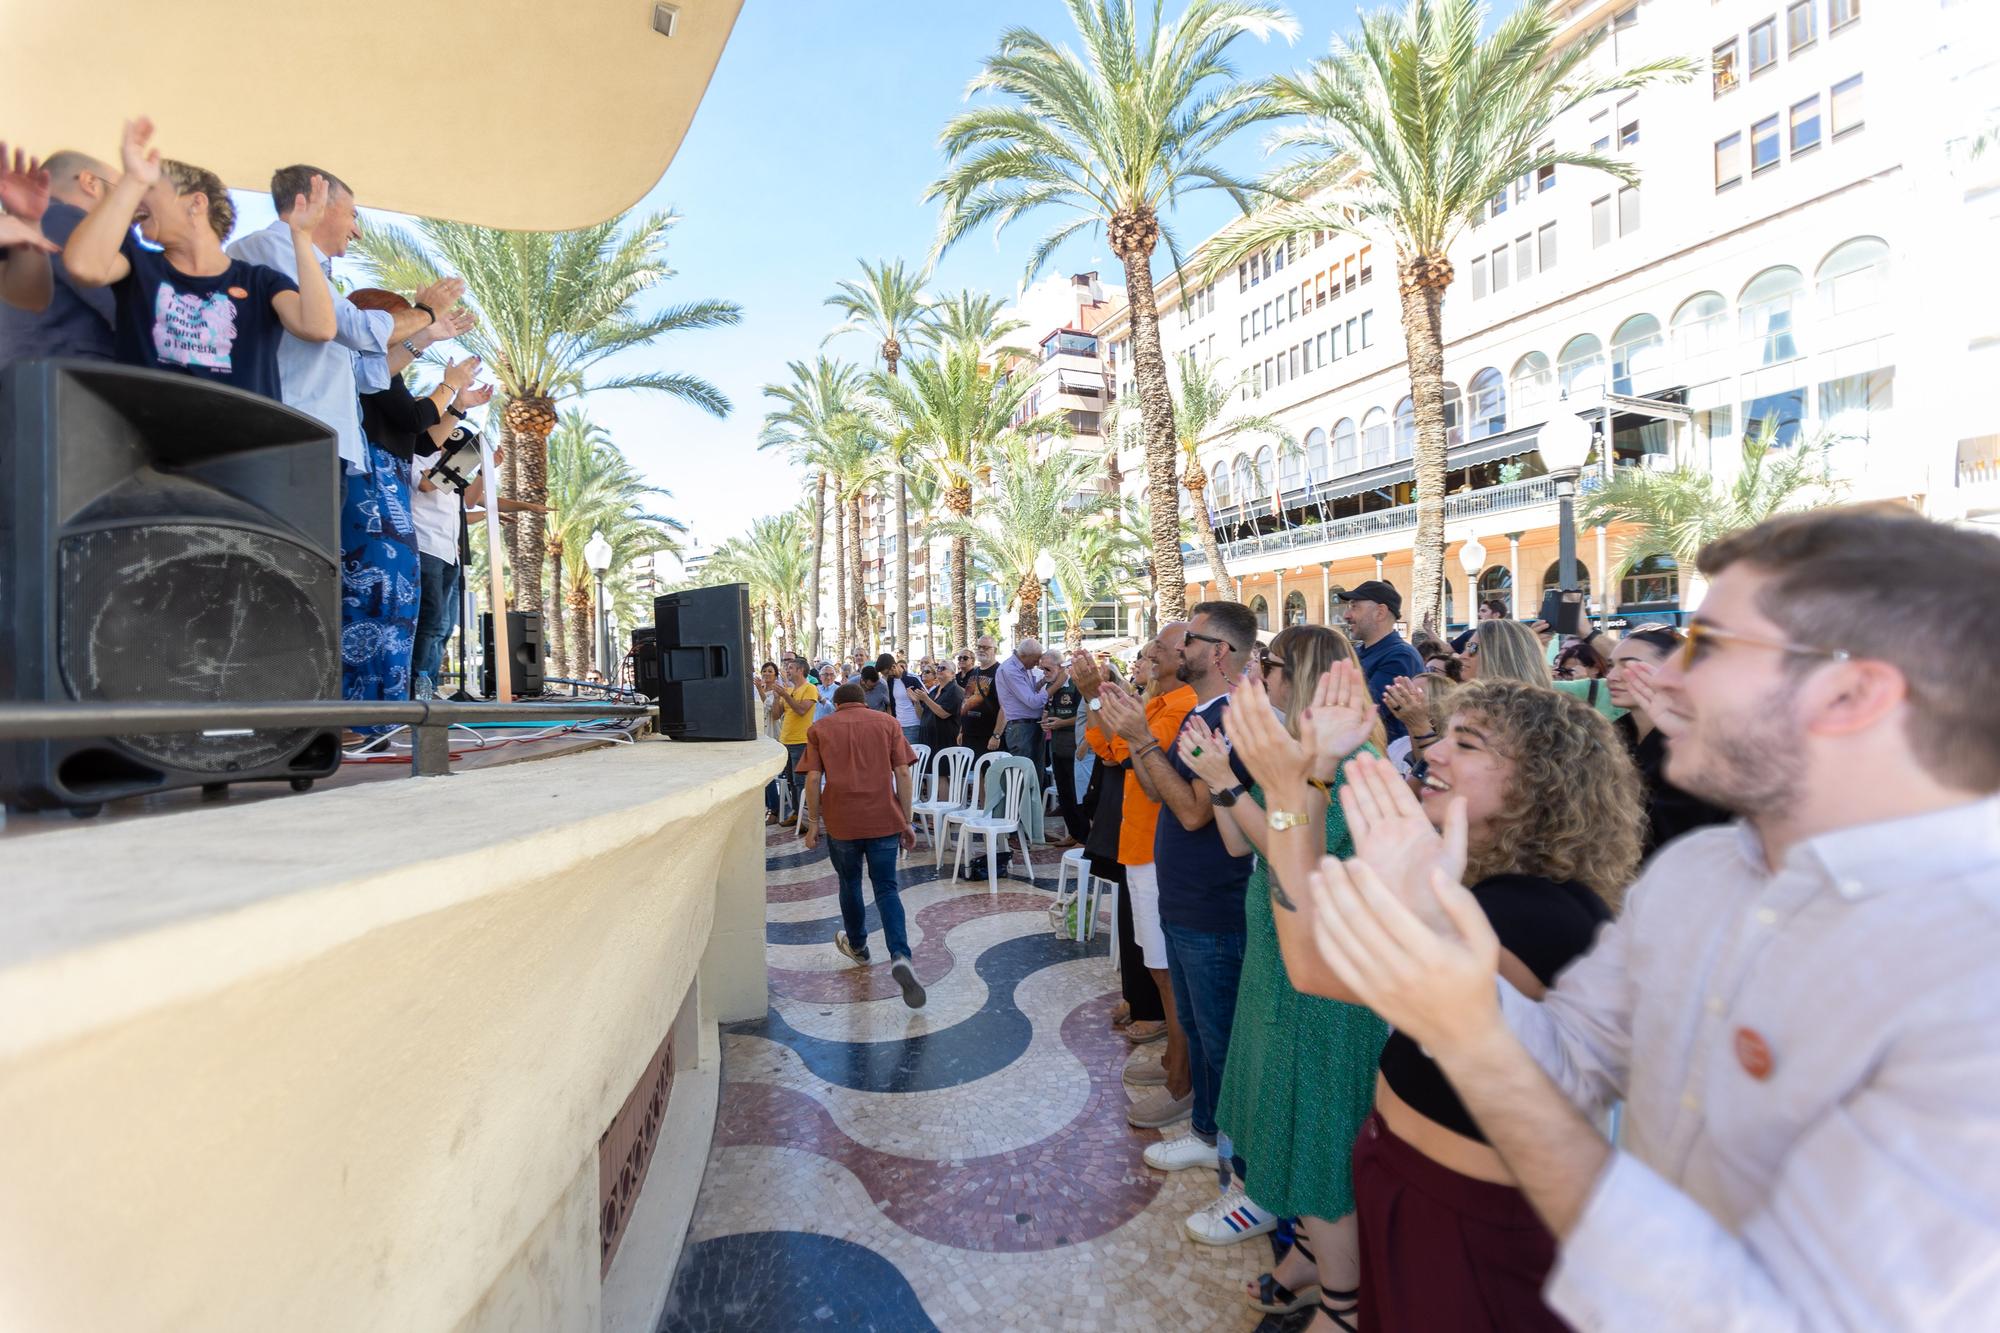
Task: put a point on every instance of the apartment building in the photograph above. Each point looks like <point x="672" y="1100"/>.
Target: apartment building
<point x="1806" y="250"/>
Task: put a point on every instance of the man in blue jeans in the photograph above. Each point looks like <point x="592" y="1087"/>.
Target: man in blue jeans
<point x="865" y="803"/>
<point x="1201" y="904"/>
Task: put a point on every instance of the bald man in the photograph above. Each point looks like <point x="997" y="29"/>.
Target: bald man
<point x="77" y="320"/>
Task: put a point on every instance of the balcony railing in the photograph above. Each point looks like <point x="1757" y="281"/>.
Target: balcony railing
<point x="1474" y="504"/>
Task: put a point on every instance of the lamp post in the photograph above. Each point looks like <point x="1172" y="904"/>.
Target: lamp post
<point x="597" y="554"/>
<point x="1564" y="444"/>
<point x="1472" y="559"/>
<point x="1045" y="570"/>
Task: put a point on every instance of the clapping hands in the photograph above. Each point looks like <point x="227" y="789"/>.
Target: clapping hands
<point x="1640" y="680"/>
<point x="1207" y="754"/>
<point x="24" y="189"/>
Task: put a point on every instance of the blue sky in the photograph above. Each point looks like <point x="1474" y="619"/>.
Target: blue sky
<point x="812" y="149"/>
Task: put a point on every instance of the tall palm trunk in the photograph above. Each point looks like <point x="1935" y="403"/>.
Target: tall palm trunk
<point x="1423" y="281"/>
<point x="930" y="614"/>
<point x="819" y="551"/>
<point x="583" y="632"/>
<point x="1028" y="612"/>
<point x="1196" y="481"/>
<point x="842" y="639"/>
<point x="1133" y="236"/>
<point x="532" y="419"/>
<point x="859" y="575"/>
<point x="508" y="480"/>
<point x="958" y="501"/>
<point x="902" y="640"/>
<point x="558" y="640"/>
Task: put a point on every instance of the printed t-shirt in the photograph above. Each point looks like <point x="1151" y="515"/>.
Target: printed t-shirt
<point x="1164" y="715"/>
<point x="1201" y="884"/>
<point x="1065" y="702"/>
<point x="793" y="732"/>
<point x="220" y="329"/>
<point x="858" y="750"/>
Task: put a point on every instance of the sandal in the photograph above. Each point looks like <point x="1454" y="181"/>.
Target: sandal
<point x="1352" y="1303"/>
<point x="1121" y="1016"/>
<point x="1274" y="1297"/>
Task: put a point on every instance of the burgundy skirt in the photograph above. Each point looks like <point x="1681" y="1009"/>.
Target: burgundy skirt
<point x="1442" y="1252"/>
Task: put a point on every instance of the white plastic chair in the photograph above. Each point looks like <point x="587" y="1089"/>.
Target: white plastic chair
<point x="998" y="830"/>
<point x="923" y="753"/>
<point x="975" y="801"/>
<point x="948" y="789"/>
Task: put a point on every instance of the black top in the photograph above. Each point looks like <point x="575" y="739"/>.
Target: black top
<point x="1547" y="925"/>
<point x="942" y="732"/>
<point x="221" y="329"/>
<point x="1065" y="702"/>
<point x="976" y="727"/>
<point x="1670" y="811"/>
<point x="394" y="418"/>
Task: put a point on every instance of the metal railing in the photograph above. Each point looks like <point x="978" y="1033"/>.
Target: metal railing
<point x="1487" y="500"/>
<point x="430" y="723"/>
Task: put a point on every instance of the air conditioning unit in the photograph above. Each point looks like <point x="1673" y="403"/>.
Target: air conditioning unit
<point x="666" y="18"/>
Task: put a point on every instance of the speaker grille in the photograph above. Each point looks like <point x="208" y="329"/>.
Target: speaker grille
<point x="187" y="613"/>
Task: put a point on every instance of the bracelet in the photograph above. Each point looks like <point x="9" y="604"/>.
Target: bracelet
<point x="427" y="310"/>
<point x="1325" y="788"/>
<point x="454" y="409"/>
<point x="1145" y="750"/>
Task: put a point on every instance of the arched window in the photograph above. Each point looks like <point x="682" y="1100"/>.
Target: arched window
<point x="1497" y="581"/>
<point x="1316" y="456"/>
<point x="1769" y="311"/>
<point x="1266" y="468"/>
<point x="1406" y="429"/>
<point x="1531" y="388"/>
<point x="1553" y="578"/>
<point x="1346" y="456"/>
<point x="1295" y="608"/>
<point x="1489" y="405"/>
<point x="1262" y="610"/>
<point x="1218" y="483"/>
<point x="1454" y="416"/>
<point x="1852" y="277"/>
<point x="1580" y="368"/>
<point x="1700" y="324"/>
<point x="1374" y="437"/>
<point x="1653" y="581"/>
<point x="1291" y="471"/>
<point x="1246" y="485"/>
<point x="1636" y="348"/>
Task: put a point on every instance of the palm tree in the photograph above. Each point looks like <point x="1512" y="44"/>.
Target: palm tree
<point x="889" y="303"/>
<point x="1115" y="135"/>
<point x="1104" y="556"/>
<point x="771" y="558"/>
<point x="953" y="411"/>
<point x="1035" y="509"/>
<point x="553" y="306"/>
<point x="572" y="446"/>
<point x="1198" y="420"/>
<point x="1410" y="128"/>
<point x="971" y="319"/>
<point x="854" y="464"/>
<point x="1679" y="510"/>
<point x="812" y="410"/>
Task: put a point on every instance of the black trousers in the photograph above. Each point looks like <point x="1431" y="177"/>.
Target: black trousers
<point x="1074" y="812"/>
<point x="1134" y="981"/>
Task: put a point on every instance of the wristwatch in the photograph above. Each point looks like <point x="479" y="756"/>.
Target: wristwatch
<point x="1280" y="820"/>
<point x="411" y="348"/>
<point x="1227" y="796"/>
<point x="1096" y="704"/>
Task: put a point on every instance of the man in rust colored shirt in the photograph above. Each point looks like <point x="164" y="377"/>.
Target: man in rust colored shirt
<point x="865" y="801"/>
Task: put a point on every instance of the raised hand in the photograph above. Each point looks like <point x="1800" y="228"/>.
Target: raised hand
<point x="1272" y="754"/>
<point x="24" y="186"/>
<point x="141" y="160"/>
<point x="441" y="295"/>
<point x="1207" y="754"/>
<point x="308" y="208"/>
<point x="450" y="324"/>
<point x="1640" y="679"/>
<point x="1124" y="714"/>
<point x="1394" y="836"/>
<point x="1339" y="720"/>
<point x="476" y="396"/>
<point x="1083" y="670"/>
<point x="458" y="375"/>
<point x="19" y="231"/>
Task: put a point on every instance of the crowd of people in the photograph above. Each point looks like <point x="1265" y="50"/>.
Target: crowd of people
<point x="135" y="265"/>
<point x="1533" y="981"/>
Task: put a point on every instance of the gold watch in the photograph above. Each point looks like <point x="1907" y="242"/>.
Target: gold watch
<point x="1280" y="820"/>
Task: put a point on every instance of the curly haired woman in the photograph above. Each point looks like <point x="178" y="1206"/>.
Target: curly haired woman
<point x="1538" y="801"/>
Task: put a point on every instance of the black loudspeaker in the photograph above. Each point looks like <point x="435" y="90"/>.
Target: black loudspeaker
<point x="163" y="540"/>
<point x="704" y="655"/>
<point x="524" y="637"/>
<point x="646" y="661"/>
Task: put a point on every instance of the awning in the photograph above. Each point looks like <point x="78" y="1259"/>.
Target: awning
<point x="1077" y="381"/>
<point x="1492" y="449"/>
<point x="579" y="105"/>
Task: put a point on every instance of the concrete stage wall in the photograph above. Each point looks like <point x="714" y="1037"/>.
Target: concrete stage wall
<point x="343" y="1061"/>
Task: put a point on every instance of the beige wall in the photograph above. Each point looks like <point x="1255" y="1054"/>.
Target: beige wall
<point x="340" y="1062"/>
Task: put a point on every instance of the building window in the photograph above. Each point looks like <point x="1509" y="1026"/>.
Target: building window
<point x="1278" y="263"/>
<point x="1295" y="608"/>
<point x="1315" y="455"/>
<point x="1700" y="324"/>
<point x="1367" y="262"/>
<point x="1764" y="149"/>
<point x="1521" y="188"/>
<point x="1600" y="132"/>
<point x="1524" y="257"/>
<point x="1545" y="245"/>
<point x="1295" y="363"/>
<point x="1840" y="13"/>
<point x="1580" y="368"/>
<point x="1763" y="46"/>
<point x="1853" y="407"/>
<point x="1636" y="348"/>
<point x="1345" y="454"/>
<point x="1805" y="125"/>
<point x="1723" y="76"/>
<point x="1622" y="24"/>
<point x="1628" y="210"/>
<point x="1406" y="429"/>
<point x="1323" y="357"/>
<point x="1545" y="175"/>
<point x="1853" y="276"/>
<point x="1499" y="269"/>
<point x="1628" y="123"/>
<point x="1478" y="276"/>
<point x="1728" y="162"/>
<point x="1292" y="304"/>
<point x="1281" y="370"/>
<point x="1552" y="578"/>
<point x="1242" y="277"/>
<point x="1375" y="438"/>
<point x="1777" y="416"/>
<point x="1653" y="581"/>
<point x="1319" y="288"/>
<point x="1530" y="379"/>
<point x="1367" y="323"/>
<point x="1352" y="346"/>
<point x="1347" y="268"/>
<point x="1600" y="222"/>
<point x="1846" y="106"/>
<point x="1768" y="310"/>
<point x="1489" y="404"/>
<point x="1799" y="32"/>
<point x="1497" y="205"/>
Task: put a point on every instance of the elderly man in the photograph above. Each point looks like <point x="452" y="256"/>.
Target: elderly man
<point x="1023" y="691"/>
<point x="77" y="320"/>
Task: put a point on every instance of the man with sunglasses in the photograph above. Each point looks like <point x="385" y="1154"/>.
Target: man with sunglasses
<point x="1372" y="608"/>
<point x="1801" y="1010"/>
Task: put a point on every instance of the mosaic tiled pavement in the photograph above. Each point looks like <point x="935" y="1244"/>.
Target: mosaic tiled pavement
<point x="962" y="1166"/>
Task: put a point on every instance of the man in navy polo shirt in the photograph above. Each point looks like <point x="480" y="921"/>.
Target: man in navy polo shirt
<point x="1372" y="608"/>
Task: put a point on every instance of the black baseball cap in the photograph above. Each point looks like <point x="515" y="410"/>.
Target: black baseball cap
<point x="1375" y="590"/>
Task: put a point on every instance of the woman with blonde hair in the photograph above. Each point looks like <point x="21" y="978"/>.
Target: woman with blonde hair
<point x="1541" y="814"/>
<point x="1506" y="650"/>
<point x="1300" y="1077"/>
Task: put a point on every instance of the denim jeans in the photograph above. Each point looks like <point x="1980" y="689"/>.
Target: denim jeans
<point x="794" y="753"/>
<point x="1024" y="738"/>
<point x="847" y="855"/>
<point x="1205" y="966"/>
<point x="1076" y="815"/>
<point x="914" y="735"/>
<point x="437" y="614"/>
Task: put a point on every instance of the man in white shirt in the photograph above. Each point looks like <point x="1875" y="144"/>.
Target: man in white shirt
<point x="1801" y="1011"/>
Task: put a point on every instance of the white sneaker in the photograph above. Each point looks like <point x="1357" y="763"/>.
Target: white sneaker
<point x="1229" y="1219"/>
<point x="1180" y="1154"/>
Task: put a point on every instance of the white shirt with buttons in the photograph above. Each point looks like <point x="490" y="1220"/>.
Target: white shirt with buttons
<point x="1810" y="1062"/>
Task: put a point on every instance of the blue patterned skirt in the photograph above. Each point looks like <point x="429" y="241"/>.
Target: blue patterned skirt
<point x="379" y="581"/>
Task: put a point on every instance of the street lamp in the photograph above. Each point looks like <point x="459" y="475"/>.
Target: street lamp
<point x="1564" y="443"/>
<point x="1045" y="570"/>
<point x="1472" y="559"/>
<point x="597" y="554"/>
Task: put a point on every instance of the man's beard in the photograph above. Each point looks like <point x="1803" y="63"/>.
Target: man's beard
<point x="1754" y="764"/>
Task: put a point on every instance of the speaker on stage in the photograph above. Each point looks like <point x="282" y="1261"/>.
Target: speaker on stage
<point x="524" y="637"/>
<point x="704" y="656"/>
<point x="646" y="661"/>
<point x="162" y="540"/>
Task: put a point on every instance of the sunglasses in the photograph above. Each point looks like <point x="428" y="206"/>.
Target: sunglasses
<point x="1269" y="662"/>
<point x="1223" y="644"/>
<point x="1692" y="649"/>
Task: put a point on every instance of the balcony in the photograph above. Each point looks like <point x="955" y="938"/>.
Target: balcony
<point x="1472" y="504"/>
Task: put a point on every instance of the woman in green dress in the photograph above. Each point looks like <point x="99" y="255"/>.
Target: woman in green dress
<point x="1300" y="1080"/>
